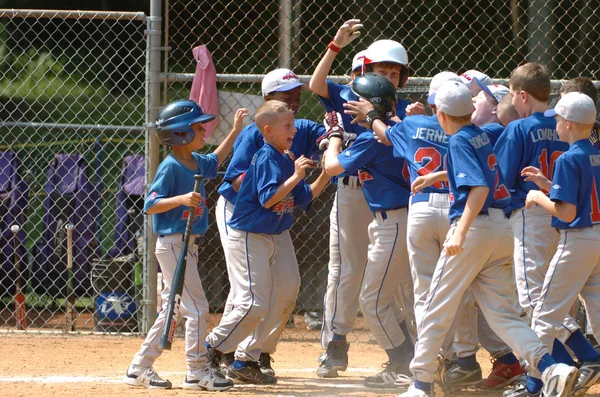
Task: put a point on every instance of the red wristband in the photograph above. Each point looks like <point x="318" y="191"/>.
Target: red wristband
<point x="333" y="47"/>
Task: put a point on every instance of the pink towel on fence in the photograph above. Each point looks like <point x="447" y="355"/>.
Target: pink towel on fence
<point x="204" y="86"/>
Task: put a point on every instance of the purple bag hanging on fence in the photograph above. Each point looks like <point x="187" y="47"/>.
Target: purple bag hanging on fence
<point x="14" y="200"/>
<point x="70" y="197"/>
<point x="129" y="206"/>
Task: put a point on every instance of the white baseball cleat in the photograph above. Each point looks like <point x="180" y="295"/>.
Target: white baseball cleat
<point x="559" y="380"/>
<point x="140" y="376"/>
<point x="207" y="378"/>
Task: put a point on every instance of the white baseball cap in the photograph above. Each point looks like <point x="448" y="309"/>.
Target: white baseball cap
<point x="496" y="91"/>
<point x="576" y="107"/>
<point x="454" y="98"/>
<point x="358" y="59"/>
<point x="468" y="76"/>
<point x="437" y="81"/>
<point x="279" y="80"/>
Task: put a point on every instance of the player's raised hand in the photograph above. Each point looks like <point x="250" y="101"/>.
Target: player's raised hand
<point x="301" y="164"/>
<point x="349" y="31"/>
<point x="238" y="119"/>
<point x="415" y="109"/>
<point x="533" y="174"/>
<point x="358" y="110"/>
<point x="454" y="245"/>
<point x="191" y="199"/>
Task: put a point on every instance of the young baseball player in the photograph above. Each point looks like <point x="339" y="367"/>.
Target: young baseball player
<point x="282" y="85"/>
<point x="486" y="104"/>
<point x="468" y="78"/>
<point x="506" y="111"/>
<point x="169" y="199"/>
<point x="386" y="192"/>
<point x="575" y="210"/>
<point x="532" y="141"/>
<point x="585" y="85"/>
<point x="424" y="144"/>
<point x="260" y="249"/>
<point x="477" y="253"/>
<point x="471" y="325"/>
<point x="350" y="215"/>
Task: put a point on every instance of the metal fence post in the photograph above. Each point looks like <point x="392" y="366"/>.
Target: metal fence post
<point x="154" y="34"/>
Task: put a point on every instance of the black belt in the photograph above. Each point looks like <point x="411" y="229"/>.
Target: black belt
<point x="346" y="180"/>
<point x="196" y="241"/>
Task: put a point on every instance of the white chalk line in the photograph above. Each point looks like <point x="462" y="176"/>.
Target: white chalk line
<point x="57" y="379"/>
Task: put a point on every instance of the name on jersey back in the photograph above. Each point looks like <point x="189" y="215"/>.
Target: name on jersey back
<point x="430" y="134"/>
<point x="544" y="134"/>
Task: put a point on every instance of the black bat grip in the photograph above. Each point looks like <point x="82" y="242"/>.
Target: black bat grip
<point x="168" y="330"/>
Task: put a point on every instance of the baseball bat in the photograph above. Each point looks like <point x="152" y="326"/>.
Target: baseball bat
<point x="70" y="303"/>
<point x="20" y="309"/>
<point x="168" y="331"/>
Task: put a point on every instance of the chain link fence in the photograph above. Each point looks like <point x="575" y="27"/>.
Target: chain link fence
<point x="74" y="95"/>
<point x="249" y="38"/>
<point x="72" y="146"/>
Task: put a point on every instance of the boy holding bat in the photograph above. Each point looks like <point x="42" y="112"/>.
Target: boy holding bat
<point x="171" y="195"/>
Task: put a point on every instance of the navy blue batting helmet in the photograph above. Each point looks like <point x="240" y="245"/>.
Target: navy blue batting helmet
<point x="376" y="89"/>
<point x="178" y="117"/>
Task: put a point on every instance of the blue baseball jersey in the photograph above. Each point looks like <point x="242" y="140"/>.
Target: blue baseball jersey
<point x="250" y="140"/>
<point x="493" y="131"/>
<point x="471" y="162"/>
<point x="268" y="170"/>
<point x="174" y="179"/>
<point x="380" y="173"/>
<point x="424" y="144"/>
<point x="529" y="141"/>
<point x="576" y="181"/>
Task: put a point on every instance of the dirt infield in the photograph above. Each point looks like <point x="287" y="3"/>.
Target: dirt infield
<point x="50" y="365"/>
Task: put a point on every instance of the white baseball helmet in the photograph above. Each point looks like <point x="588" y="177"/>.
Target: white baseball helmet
<point x="387" y="51"/>
<point x="358" y="59"/>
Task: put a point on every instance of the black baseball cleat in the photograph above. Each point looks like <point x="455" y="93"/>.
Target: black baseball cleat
<point x="334" y="360"/>
<point x="250" y="373"/>
<point x="264" y="362"/>
<point x="457" y="376"/>
<point x="226" y="360"/>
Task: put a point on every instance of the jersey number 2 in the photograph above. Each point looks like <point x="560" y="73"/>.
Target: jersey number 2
<point x="500" y="191"/>
<point x="595" y="214"/>
<point x="433" y="164"/>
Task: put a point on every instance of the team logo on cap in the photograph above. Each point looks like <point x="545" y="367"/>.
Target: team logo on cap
<point x="289" y="76"/>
